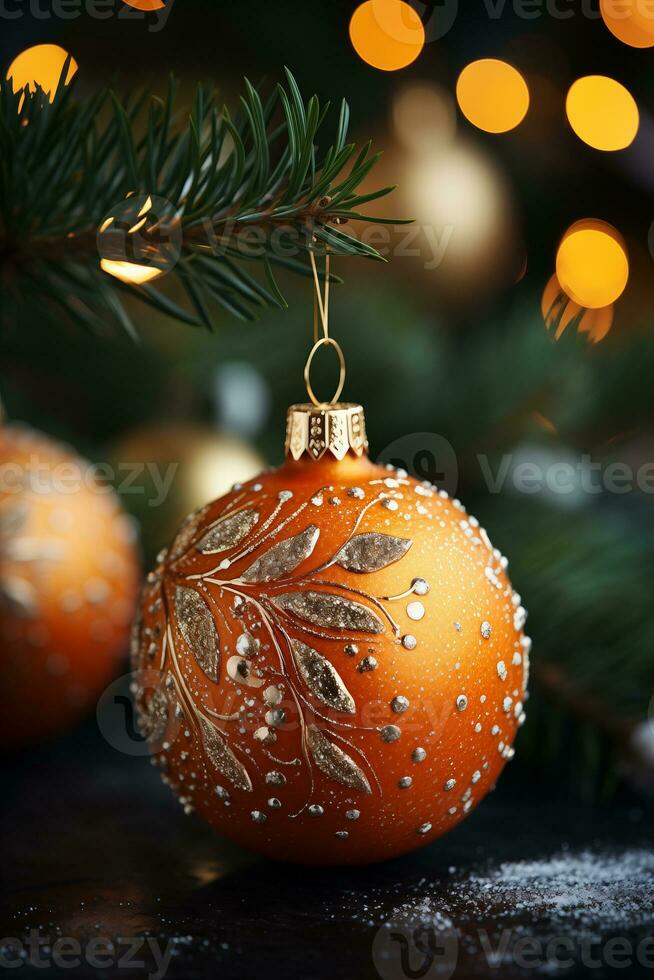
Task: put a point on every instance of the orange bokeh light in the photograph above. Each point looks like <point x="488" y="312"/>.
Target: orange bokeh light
<point x="592" y="264"/>
<point x="40" y="65"/>
<point x="560" y="311"/>
<point x="602" y="112"/>
<point x="492" y="95"/>
<point x="631" y="21"/>
<point x="387" y="34"/>
<point x="146" y="5"/>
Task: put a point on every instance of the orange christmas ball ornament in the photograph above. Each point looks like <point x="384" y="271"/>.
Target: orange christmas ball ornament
<point x="331" y="660"/>
<point x="68" y="585"/>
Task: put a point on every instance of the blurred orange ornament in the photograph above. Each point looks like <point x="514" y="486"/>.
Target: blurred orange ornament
<point x="332" y="658"/>
<point x="631" y="21"/>
<point x="592" y="264"/>
<point x="560" y="311"/>
<point x="68" y="584"/>
<point x="387" y="34"/>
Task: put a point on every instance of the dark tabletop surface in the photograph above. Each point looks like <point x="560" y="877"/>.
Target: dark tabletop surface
<point x="96" y="849"/>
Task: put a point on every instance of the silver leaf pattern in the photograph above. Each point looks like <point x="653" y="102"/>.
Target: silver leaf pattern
<point x="222" y="758"/>
<point x="322" y="678"/>
<point x="154" y="716"/>
<point x="371" y="551"/>
<point x="330" y="611"/>
<point x="197" y="626"/>
<point x="187" y="532"/>
<point x="228" y="532"/>
<point x="335" y="763"/>
<point x="283" y="557"/>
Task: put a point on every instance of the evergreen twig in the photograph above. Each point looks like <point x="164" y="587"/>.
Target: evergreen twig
<point x="66" y="165"/>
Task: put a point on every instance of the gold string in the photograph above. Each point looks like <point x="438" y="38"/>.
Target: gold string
<point x="321" y="313"/>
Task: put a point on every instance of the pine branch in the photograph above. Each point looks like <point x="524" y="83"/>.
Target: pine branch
<point x="199" y="200"/>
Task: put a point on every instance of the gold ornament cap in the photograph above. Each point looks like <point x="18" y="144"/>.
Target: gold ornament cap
<point x="338" y="429"/>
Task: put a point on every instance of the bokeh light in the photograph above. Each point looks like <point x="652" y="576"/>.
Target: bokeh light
<point x="492" y="95"/>
<point x="592" y="264"/>
<point x="130" y="272"/>
<point x="387" y="34"/>
<point x="140" y="239"/>
<point x="146" y="5"/>
<point x="40" y="65"/>
<point x="631" y="21"/>
<point x="602" y="112"/>
<point x="424" y="118"/>
<point x="560" y="311"/>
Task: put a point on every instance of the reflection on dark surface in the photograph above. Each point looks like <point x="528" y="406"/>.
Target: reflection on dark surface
<point x="97" y="849"/>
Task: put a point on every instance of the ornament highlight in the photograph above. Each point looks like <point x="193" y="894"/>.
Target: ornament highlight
<point x="68" y="585"/>
<point x="338" y="655"/>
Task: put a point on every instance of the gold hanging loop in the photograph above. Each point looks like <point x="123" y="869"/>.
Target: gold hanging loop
<point x="321" y="315"/>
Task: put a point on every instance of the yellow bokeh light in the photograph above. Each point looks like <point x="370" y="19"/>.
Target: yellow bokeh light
<point x="387" y="34"/>
<point x="492" y="95"/>
<point x="560" y="311"/>
<point x="592" y="264"/>
<point x="40" y="65"/>
<point x="602" y="112"/>
<point x="130" y="272"/>
<point x="631" y="21"/>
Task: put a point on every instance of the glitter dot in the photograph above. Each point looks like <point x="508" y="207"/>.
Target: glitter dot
<point x="356" y="492"/>
<point x="342" y="834"/>
<point x="258" y="816"/>
<point x="274" y="803"/>
<point x="415" y="610"/>
<point x="462" y="702"/>
<point x="389" y="504"/>
<point x="275" y="779"/>
<point x="420" y="587"/>
<point x="405" y="782"/>
<point x="485" y="629"/>
<point x="450" y="784"/>
<point x="368" y="663"/>
<point x="390" y="733"/>
<point x="316" y="810"/>
<point x="418" y="755"/>
<point x="409" y="642"/>
<point x="351" y="649"/>
<point x="399" y="704"/>
<point x="284" y="495"/>
<point x="424" y="828"/>
<point x="352" y="814"/>
<point x="476" y="776"/>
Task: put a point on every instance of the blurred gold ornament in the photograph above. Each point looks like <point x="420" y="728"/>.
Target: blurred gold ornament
<point x="40" y="65"/>
<point x="492" y="95"/>
<point x="177" y="468"/>
<point x="631" y="21"/>
<point x="559" y="311"/>
<point x="592" y="264"/>
<point x="387" y="34"/>
<point x="602" y="112"/>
